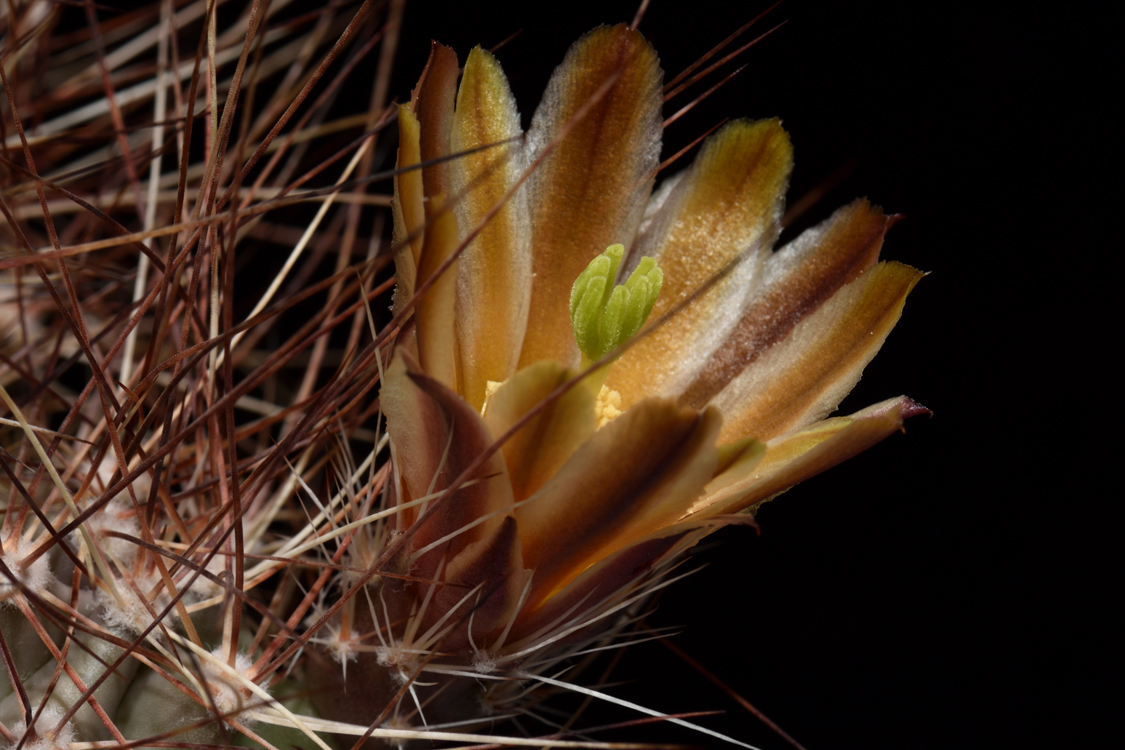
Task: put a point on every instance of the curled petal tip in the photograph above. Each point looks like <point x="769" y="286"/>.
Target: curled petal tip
<point x="911" y="408"/>
<point x="901" y="407"/>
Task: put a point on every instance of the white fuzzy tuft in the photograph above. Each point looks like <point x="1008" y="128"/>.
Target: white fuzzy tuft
<point x="399" y="661"/>
<point x="117" y="516"/>
<point x="340" y="649"/>
<point x="204" y="588"/>
<point x="484" y="662"/>
<point x="34" y="577"/>
<point x="131" y="613"/>
<point x="47" y="721"/>
<point x="229" y="695"/>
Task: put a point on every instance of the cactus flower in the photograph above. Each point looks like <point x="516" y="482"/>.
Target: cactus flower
<point x="586" y="375"/>
<point x="531" y="509"/>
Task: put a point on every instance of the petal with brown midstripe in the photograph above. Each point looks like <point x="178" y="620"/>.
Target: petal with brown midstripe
<point x="415" y="425"/>
<point x="797" y="280"/>
<point x="432" y="101"/>
<point x="436" y="436"/>
<point x="542" y="446"/>
<point x="801" y="455"/>
<point x="635" y="475"/>
<point x="493" y="563"/>
<point x="599" y="587"/>
<point x="726" y="207"/>
<point x="423" y="135"/>
<point x="602" y="106"/>
<point x="494" y="277"/>
<point x="806" y="375"/>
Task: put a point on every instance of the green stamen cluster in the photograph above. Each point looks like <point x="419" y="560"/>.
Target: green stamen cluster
<point x="605" y="316"/>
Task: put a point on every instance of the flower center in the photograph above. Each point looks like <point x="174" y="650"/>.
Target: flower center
<point x="605" y="316"/>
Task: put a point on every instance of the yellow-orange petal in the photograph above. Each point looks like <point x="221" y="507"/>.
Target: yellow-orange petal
<point x="796" y="457"/>
<point x="728" y="204"/>
<point x="435" y="436"/>
<point x="494" y="280"/>
<point x="635" y="475"/>
<point x="408" y="208"/>
<point x="738" y="459"/>
<point x="805" y="376"/>
<point x="590" y="192"/>
<point x="797" y="279"/>
<point x="548" y="440"/>
<point x="436" y="330"/>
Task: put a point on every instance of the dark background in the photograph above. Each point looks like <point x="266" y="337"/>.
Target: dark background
<point x="952" y="586"/>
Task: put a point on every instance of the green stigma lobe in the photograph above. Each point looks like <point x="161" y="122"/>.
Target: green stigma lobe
<point x="604" y="316"/>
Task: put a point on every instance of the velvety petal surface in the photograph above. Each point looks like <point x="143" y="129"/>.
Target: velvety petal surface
<point x="806" y="375"/>
<point x="436" y="436"/>
<point x="436" y="326"/>
<point x="797" y="280"/>
<point x="728" y="204"/>
<point x="408" y="208"/>
<point x="424" y="131"/>
<point x="418" y="430"/>
<point x="432" y="101"/>
<point x="494" y="279"/>
<point x="607" y="581"/>
<point x="635" y="475"/>
<point x="494" y="563"/>
<point x="590" y="191"/>
<point x="550" y="438"/>
<point x="796" y="457"/>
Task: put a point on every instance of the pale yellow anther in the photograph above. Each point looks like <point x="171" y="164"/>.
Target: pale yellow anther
<point x="490" y="389"/>
<point x="608" y="406"/>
